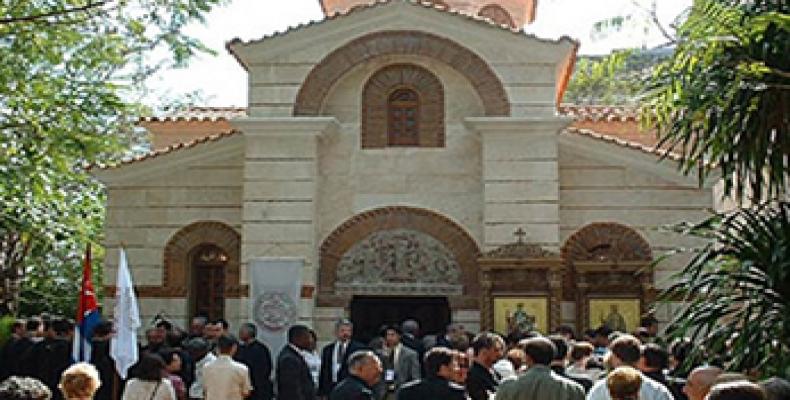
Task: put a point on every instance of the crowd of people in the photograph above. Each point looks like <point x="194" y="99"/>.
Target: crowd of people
<point x="207" y="361"/>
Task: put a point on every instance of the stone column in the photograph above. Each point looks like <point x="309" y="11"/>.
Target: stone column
<point x="280" y="187"/>
<point x="520" y="178"/>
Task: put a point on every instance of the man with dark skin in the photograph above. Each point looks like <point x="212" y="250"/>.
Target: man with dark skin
<point x="294" y="381"/>
<point x="364" y="370"/>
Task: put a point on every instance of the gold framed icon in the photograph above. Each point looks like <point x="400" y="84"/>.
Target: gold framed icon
<point x="523" y="314"/>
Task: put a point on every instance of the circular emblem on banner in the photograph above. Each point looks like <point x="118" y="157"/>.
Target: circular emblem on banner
<point x="274" y="311"/>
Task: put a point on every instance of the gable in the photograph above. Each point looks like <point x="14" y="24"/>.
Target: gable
<point x="532" y="71"/>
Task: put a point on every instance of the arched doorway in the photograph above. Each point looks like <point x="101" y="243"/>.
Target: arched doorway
<point x="202" y="265"/>
<point x="370" y="313"/>
<point x="403" y="259"/>
<point x="207" y="295"/>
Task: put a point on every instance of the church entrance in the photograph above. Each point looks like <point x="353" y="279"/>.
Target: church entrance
<point x="370" y="313"/>
<point x="209" y="264"/>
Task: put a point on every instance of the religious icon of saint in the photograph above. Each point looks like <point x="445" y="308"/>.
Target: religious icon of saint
<point x="614" y="321"/>
<point x="520" y="321"/>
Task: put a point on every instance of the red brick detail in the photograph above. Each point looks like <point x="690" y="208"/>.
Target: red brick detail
<point x="496" y="13"/>
<point x="310" y="99"/>
<point x="606" y="242"/>
<point x="374" y="130"/>
<point x="359" y="227"/>
<point x="175" y="276"/>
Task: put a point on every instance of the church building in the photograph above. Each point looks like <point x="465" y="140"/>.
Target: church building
<point x="401" y="159"/>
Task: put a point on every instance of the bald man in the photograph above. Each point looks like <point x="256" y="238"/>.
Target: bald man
<point x="700" y="381"/>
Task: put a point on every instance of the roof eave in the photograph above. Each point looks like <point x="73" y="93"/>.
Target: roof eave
<point x="566" y="71"/>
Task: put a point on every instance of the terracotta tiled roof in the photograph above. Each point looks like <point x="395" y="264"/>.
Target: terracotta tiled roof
<point x="599" y="113"/>
<point x="198" y="114"/>
<point x="580" y="113"/>
<point x="624" y="143"/>
<point x="167" y="150"/>
<point x="375" y="3"/>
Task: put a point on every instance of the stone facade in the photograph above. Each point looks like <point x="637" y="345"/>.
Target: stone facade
<point x="304" y="172"/>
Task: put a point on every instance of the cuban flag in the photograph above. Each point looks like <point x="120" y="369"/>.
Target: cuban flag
<point x="87" y="314"/>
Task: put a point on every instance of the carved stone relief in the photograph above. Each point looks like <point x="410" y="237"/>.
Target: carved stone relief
<point x="399" y="260"/>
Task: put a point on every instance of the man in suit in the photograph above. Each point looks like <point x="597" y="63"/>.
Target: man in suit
<point x="560" y="361"/>
<point x="410" y="338"/>
<point x="400" y="364"/>
<point x="334" y="357"/>
<point x="294" y="381"/>
<point x="441" y="364"/>
<point x="258" y="359"/>
<point x="539" y="382"/>
<point x="482" y="379"/>
<point x="364" y="372"/>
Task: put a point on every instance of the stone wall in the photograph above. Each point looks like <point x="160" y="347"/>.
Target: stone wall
<point x="145" y="211"/>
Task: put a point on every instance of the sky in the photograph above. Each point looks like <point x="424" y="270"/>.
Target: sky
<point x="221" y="81"/>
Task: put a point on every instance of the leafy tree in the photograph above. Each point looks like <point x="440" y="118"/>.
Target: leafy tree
<point x="70" y="73"/>
<point x="615" y="79"/>
<point x="722" y="101"/>
<point x="737" y="290"/>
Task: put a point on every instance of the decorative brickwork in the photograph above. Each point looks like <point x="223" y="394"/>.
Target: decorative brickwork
<point x="360" y="228"/>
<point x="606" y="242"/>
<point x="375" y="108"/>
<point x="496" y="13"/>
<point x="608" y="261"/>
<point x="310" y="99"/>
<point x="175" y="275"/>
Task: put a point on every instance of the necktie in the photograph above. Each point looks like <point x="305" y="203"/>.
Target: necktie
<point x="341" y="352"/>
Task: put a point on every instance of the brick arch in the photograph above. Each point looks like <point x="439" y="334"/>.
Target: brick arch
<point x="498" y="14"/>
<point x="374" y="130"/>
<point x="357" y="228"/>
<point x="606" y="242"/>
<point x="180" y="247"/>
<point x="319" y="81"/>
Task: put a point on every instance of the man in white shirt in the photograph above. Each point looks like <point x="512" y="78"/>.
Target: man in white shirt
<point x="626" y="351"/>
<point x="223" y="378"/>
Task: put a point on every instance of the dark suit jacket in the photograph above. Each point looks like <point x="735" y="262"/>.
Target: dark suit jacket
<point x="430" y="389"/>
<point x="258" y="359"/>
<point x="586" y="382"/>
<point x="480" y="381"/>
<point x="414" y="344"/>
<point x="46" y="361"/>
<point x="294" y="381"/>
<point x="10" y="359"/>
<point x="325" y="384"/>
<point x="352" y="388"/>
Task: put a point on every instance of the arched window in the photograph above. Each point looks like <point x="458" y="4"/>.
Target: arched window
<point x="403" y="110"/>
<point x="497" y="14"/>
<point x="209" y="264"/>
<point x="402" y="105"/>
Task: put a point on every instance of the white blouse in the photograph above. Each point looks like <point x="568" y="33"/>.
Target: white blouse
<point x="137" y="389"/>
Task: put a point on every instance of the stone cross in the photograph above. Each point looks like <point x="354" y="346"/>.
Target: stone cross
<point x="520" y="234"/>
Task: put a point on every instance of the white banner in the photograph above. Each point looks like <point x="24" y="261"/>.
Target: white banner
<point x="276" y="286"/>
<point x="123" y="346"/>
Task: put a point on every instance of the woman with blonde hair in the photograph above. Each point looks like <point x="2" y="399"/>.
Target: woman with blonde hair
<point x="624" y="383"/>
<point x="79" y="382"/>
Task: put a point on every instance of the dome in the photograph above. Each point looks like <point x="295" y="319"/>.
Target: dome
<point x="514" y="13"/>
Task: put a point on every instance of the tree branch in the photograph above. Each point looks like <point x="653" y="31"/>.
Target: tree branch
<point x="55" y="13"/>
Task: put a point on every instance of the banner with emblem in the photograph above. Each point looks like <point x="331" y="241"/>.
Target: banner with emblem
<point x="275" y="287"/>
